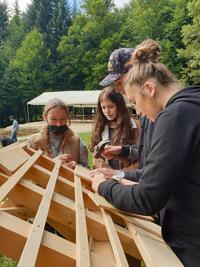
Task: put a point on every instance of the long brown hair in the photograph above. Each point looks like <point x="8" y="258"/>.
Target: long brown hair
<point x="123" y="131"/>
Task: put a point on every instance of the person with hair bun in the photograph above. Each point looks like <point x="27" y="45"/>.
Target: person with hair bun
<point x="56" y="138"/>
<point x="170" y="182"/>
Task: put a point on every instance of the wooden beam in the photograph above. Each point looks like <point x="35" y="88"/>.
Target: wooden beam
<point x="15" y="178"/>
<point x="142" y="222"/>
<point x="30" y="252"/>
<point x="62" y="210"/>
<point x="54" y="250"/>
<point x="48" y="163"/>
<point x="104" y="251"/>
<point x="82" y="245"/>
<point x="67" y="232"/>
<point x="11" y="160"/>
<point x="154" y="252"/>
<point x="11" y="146"/>
<point x="83" y="173"/>
<point x="114" y="240"/>
<point x="63" y="186"/>
<point x="103" y="203"/>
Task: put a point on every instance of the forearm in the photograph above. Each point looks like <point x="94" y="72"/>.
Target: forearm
<point x="125" y="197"/>
<point x="133" y="175"/>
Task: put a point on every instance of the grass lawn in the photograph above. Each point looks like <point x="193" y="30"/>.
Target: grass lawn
<point x="86" y="138"/>
<point x="5" y="262"/>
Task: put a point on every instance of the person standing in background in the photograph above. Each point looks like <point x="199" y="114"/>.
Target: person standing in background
<point x="15" y="128"/>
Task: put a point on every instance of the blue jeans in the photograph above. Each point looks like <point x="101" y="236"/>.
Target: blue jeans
<point x="14" y="136"/>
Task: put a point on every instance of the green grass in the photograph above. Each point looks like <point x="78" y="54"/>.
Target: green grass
<point x="86" y="138"/>
<point x="5" y="262"/>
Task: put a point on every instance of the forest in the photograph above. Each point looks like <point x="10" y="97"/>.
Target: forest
<point x="59" y="45"/>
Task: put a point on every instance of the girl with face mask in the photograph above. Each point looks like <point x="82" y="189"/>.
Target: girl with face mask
<point x="56" y="139"/>
<point x="113" y="122"/>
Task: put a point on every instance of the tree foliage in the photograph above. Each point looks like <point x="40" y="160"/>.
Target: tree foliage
<point x="191" y="40"/>
<point x="59" y="45"/>
<point x="91" y="38"/>
<point x="3" y="21"/>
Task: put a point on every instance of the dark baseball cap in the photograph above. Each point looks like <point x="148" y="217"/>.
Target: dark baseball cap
<point x="116" y="65"/>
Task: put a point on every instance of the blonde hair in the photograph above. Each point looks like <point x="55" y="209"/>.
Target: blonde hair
<point x="56" y="103"/>
<point x="146" y="65"/>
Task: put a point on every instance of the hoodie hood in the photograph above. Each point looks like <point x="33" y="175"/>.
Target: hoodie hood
<point x="188" y="94"/>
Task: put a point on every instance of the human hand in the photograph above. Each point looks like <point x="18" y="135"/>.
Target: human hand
<point x="65" y="158"/>
<point x="111" y="151"/>
<point x="96" y="181"/>
<point x="107" y="172"/>
<point x="71" y="164"/>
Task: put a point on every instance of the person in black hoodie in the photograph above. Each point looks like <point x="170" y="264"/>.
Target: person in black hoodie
<point x="170" y="182"/>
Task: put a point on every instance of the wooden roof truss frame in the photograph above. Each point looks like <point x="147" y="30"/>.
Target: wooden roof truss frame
<point x="91" y="231"/>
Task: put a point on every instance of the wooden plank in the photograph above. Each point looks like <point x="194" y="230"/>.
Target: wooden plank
<point x="67" y="232"/>
<point x="11" y="146"/>
<point x="19" y="212"/>
<point x="114" y="239"/>
<point x="82" y="249"/>
<point x="10" y="162"/>
<point x="83" y="173"/>
<point x="63" y="186"/>
<point x="104" y="250"/>
<point x="54" y="250"/>
<point x="150" y="227"/>
<point x="102" y="202"/>
<point x="154" y="253"/>
<point x="63" y="211"/>
<point x="29" y="255"/>
<point x="153" y="230"/>
<point x="15" y="178"/>
<point x="48" y="163"/>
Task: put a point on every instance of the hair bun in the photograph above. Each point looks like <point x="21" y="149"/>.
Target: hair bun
<point x="147" y="51"/>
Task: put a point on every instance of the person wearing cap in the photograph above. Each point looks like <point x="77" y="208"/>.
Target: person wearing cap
<point x="118" y="65"/>
<point x="113" y="124"/>
<point x="170" y="182"/>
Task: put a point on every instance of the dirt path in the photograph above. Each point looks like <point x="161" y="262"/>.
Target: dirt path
<point x="31" y="128"/>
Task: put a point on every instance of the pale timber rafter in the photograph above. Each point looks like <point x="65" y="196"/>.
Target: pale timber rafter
<point x="94" y="233"/>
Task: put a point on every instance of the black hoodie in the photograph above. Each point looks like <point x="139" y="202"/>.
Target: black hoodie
<point x="170" y="182"/>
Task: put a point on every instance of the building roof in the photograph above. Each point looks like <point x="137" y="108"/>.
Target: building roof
<point x="71" y="98"/>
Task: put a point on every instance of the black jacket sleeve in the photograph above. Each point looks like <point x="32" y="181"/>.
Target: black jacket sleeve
<point x="133" y="175"/>
<point x="129" y="151"/>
